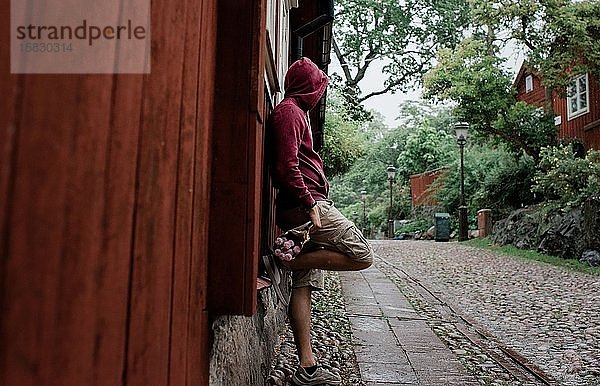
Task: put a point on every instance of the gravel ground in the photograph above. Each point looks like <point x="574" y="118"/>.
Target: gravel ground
<point x="331" y="337"/>
<point x="550" y="315"/>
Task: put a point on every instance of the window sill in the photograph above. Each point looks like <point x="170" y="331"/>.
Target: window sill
<point x="578" y="114"/>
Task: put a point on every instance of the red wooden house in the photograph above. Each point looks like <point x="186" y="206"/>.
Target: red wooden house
<point x="134" y="208"/>
<point x="577" y="112"/>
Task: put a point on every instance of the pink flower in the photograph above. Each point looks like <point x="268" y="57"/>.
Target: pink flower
<point x="278" y="241"/>
<point x="278" y="252"/>
<point x="297" y="250"/>
<point x="287" y="257"/>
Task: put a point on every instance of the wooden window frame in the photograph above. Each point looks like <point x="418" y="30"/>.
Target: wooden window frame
<point x="578" y="96"/>
<point x="529" y="83"/>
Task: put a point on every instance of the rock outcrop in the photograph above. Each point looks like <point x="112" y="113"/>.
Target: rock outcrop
<point x="564" y="233"/>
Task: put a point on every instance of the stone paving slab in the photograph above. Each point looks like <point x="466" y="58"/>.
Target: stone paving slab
<point x="379" y="353"/>
<point x="373" y="311"/>
<point x="388" y="373"/>
<point x="393" y="343"/>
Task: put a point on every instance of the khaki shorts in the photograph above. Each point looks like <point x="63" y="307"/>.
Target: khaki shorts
<point x="337" y="233"/>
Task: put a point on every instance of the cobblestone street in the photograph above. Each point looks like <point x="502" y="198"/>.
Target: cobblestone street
<point x="507" y="320"/>
<point x="547" y="315"/>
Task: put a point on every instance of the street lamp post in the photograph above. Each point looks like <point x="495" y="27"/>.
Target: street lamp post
<point x="363" y="194"/>
<point x="391" y="172"/>
<point x="462" y="132"/>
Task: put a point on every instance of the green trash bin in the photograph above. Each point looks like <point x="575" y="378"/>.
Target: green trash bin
<point x="442" y="227"/>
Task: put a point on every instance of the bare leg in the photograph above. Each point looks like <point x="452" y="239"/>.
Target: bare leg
<point x="299" y="314"/>
<point x="325" y="259"/>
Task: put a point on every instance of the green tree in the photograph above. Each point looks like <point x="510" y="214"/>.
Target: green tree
<point x="423" y="129"/>
<point x="404" y="34"/>
<point x="562" y="37"/>
<point x="473" y="78"/>
<point x="343" y="141"/>
<point x="369" y="171"/>
<point x="495" y="178"/>
<point x="425" y="149"/>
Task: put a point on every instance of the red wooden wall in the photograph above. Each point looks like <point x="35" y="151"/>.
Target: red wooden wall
<point x="420" y="187"/>
<point x="536" y="96"/>
<point x="591" y="135"/>
<point x="104" y="205"/>
<point x="237" y="167"/>
<point x="585" y="127"/>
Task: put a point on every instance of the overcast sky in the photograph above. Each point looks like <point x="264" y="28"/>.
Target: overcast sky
<point x="387" y="104"/>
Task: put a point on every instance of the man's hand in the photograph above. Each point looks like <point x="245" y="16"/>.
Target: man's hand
<point x="313" y="213"/>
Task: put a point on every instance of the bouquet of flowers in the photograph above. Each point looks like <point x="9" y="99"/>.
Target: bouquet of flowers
<point x="289" y="245"/>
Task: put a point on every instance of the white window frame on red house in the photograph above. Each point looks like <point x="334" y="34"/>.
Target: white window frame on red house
<point x="529" y="83"/>
<point x="576" y="94"/>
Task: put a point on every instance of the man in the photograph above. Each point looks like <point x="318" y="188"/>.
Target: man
<point x="336" y="243"/>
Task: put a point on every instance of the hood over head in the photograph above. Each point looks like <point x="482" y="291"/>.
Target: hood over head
<point x="306" y="83"/>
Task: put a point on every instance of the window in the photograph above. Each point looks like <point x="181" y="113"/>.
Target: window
<point x="529" y="83"/>
<point x="272" y="23"/>
<point x="578" y="97"/>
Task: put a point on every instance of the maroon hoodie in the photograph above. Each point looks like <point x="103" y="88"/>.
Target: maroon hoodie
<point x="297" y="168"/>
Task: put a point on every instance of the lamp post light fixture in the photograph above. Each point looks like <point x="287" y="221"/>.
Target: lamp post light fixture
<point x="462" y="133"/>
<point x="363" y="194"/>
<point x="391" y="172"/>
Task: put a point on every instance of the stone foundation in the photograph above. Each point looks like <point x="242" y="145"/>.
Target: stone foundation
<point x="243" y="347"/>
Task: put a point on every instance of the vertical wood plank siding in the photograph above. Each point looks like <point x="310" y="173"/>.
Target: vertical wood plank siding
<point x="198" y="343"/>
<point x="534" y="97"/>
<point x="104" y="205"/>
<point x="155" y="213"/>
<point x="237" y="158"/>
<point x="585" y="127"/>
<point x="578" y="127"/>
<point x="182" y="253"/>
<point x="421" y="187"/>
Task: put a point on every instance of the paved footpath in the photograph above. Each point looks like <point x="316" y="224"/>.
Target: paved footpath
<point x="484" y="306"/>
<point x="393" y="343"/>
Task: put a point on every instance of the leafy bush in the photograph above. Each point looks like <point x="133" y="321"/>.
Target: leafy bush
<point x="566" y="179"/>
<point x="417" y="225"/>
<point x="506" y="185"/>
<point x="495" y="178"/>
<point x="421" y="219"/>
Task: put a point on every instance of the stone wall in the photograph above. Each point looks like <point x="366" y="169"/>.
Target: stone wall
<point x="564" y="233"/>
<point x="591" y="223"/>
<point x="243" y="347"/>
